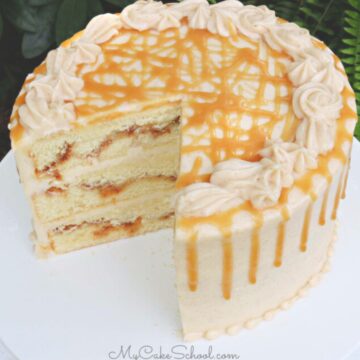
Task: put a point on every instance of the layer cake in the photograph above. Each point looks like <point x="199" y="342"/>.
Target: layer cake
<point x="232" y="121"/>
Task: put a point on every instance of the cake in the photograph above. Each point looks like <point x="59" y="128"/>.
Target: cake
<point x="223" y="121"/>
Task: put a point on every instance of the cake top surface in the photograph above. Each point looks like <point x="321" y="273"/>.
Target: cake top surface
<point x="264" y="105"/>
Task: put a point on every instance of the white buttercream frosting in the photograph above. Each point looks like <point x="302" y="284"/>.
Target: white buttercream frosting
<point x="253" y="21"/>
<point x="204" y="199"/>
<point x="236" y="175"/>
<point x="196" y="11"/>
<point x="43" y="118"/>
<point x="223" y="17"/>
<point x="316" y="65"/>
<point x="316" y="134"/>
<point x="144" y="15"/>
<point x="288" y="37"/>
<point x="49" y="105"/>
<point x="267" y="190"/>
<point x="314" y="100"/>
<point x="102" y="28"/>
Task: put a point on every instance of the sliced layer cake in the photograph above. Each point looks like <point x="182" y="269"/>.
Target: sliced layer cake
<point x="247" y="117"/>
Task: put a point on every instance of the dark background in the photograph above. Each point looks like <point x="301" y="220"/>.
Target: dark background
<point x="30" y="28"/>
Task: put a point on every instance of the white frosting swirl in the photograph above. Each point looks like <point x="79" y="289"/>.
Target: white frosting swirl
<point x="223" y="16"/>
<point x="204" y="199"/>
<point x="43" y="118"/>
<point x="316" y="101"/>
<point x="66" y="87"/>
<point x="280" y="151"/>
<point x="278" y="173"/>
<point x="102" y="28"/>
<point x="237" y="175"/>
<point x="61" y="59"/>
<point x="296" y="158"/>
<point x="196" y="11"/>
<point x="304" y="159"/>
<point x="267" y="190"/>
<point x="317" y="134"/>
<point x="144" y="15"/>
<point x="316" y="66"/>
<point x="288" y="37"/>
<point x="85" y="52"/>
<point x="253" y="21"/>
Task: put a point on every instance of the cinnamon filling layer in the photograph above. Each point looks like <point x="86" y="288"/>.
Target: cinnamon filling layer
<point x="134" y="132"/>
<point x="110" y="189"/>
<point x="104" y="227"/>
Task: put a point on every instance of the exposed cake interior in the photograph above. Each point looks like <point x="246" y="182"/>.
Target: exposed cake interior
<point x="113" y="181"/>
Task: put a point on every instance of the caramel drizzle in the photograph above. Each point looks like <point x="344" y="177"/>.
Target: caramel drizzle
<point x="343" y="194"/>
<point x="281" y="237"/>
<point x="255" y="247"/>
<point x="306" y="227"/>
<point x="227" y="267"/>
<point x="192" y="262"/>
<point x="323" y="211"/>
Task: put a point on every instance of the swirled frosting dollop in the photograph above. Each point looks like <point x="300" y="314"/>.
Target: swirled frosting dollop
<point x="102" y="28"/>
<point x="288" y="37"/>
<point x="144" y="15"/>
<point x="223" y="17"/>
<point x="317" y="134"/>
<point x="41" y="117"/>
<point x="253" y="21"/>
<point x="316" y="101"/>
<point x="204" y="199"/>
<point x="316" y="66"/>
<point x="237" y="175"/>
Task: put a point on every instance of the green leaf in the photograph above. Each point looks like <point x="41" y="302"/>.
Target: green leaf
<point x="355" y="4"/>
<point x="35" y="43"/>
<point x="94" y="8"/>
<point x="40" y="2"/>
<point x="71" y="18"/>
<point x="20" y="14"/>
<point x="1" y="25"/>
<point x="357" y="131"/>
<point x="120" y="3"/>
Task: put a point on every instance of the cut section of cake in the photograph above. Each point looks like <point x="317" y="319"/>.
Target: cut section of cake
<point x="234" y="120"/>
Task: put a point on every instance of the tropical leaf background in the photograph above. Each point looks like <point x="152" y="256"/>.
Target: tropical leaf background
<point x="30" y="28"/>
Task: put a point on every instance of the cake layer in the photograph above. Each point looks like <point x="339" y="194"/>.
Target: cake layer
<point x="87" y="141"/>
<point x="153" y="205"/>
<point x="128" y="156"/>
<point x="58" y="203"/>
<point x="66" y="156"/>
<point x="94" y="233"/>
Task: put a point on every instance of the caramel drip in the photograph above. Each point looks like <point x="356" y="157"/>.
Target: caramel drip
<point x="281" y="237"/>
<point x="338" y="195"/>
<point x="227" y="267"/>
<point x="192" y="262"/>
<point x="343" y="193"/>
<point x="223" y="222"/>
<point x="306" y="227"/>
<point x="255" y="247"/>
<point x="323" y="211"/>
